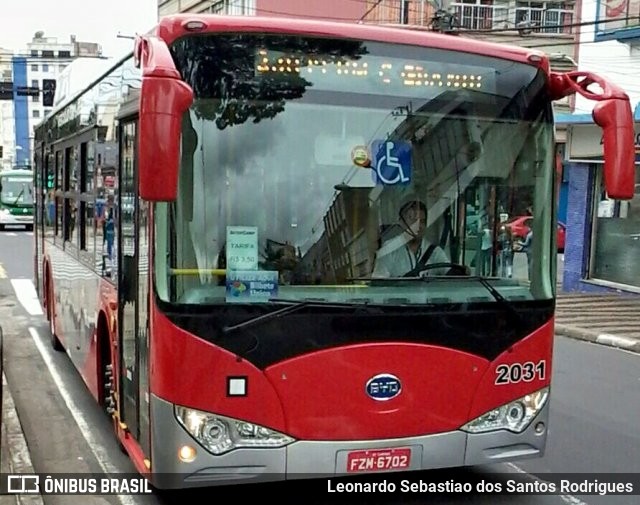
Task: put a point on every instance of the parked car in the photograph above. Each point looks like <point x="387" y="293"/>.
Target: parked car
<point x="519" y="227"/>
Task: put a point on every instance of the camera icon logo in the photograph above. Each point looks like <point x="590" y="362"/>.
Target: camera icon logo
<point x="23" y="484"/>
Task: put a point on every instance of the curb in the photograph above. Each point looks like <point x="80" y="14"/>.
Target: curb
<point x="18" y="457"/>
<point x="607" y="339"/>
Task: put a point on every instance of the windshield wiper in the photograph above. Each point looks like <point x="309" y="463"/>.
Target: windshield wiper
<point x="19" y="195"/>
<point x="392" y="279"/>
<point x="295" y="306"/>
<point x="506" y="304"/>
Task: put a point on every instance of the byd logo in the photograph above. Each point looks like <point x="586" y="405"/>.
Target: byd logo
<point x="383" y="387"/>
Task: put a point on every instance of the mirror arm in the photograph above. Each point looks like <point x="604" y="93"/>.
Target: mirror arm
<point x="613" y="114"/>
<point x="568" y="83"/>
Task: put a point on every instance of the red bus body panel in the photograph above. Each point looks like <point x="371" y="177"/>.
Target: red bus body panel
<point x="536" y="347"/>
<point x="174" y="27"/>
<point x="322" y="395"/>
<point x="188" y="371"/>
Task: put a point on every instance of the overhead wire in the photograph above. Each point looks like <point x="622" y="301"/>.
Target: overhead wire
<point x="376" y="3"/>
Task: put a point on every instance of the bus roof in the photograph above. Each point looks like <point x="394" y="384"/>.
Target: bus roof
<point x="172" y="27"/>
<point x="78" y="75"/>
<point x="76" y="93"/>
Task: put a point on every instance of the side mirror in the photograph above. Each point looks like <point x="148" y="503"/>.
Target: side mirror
<point x="613" y="114"/>
<point x="164" y="99"/>
<point x="616" y="121"/>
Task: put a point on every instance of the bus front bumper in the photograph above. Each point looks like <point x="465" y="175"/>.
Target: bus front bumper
<point x="8" y="219"/>
<point x="316" y="459"/>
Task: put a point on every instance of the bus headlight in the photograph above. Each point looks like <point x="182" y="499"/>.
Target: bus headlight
<point x="220" y="434"/>
<point x="514" y="416"/>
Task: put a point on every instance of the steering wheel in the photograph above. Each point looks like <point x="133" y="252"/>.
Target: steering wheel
<point x="454" y="268"/>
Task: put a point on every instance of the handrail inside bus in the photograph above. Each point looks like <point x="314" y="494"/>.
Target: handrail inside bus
<point x="197" y="271"/>
<point x="223" y="272"/>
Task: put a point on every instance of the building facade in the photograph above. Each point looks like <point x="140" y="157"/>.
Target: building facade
<point x="7" y="123"/>
<point x="603" y="235"/>
<point x="28" y="78"/>
<point x="549" y="26"/>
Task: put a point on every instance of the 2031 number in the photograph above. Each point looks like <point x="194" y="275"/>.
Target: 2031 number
<point x="521" y="372"/>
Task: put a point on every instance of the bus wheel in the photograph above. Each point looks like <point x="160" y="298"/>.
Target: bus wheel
<point x="55" y="342"/>
<point x="109" y="397"/>
<point x="110" y="403"/>
<point x="109" y="392"/>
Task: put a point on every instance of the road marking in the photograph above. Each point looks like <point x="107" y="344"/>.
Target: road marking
<point x="99" y="451"/>
<point x="567" y="498"/>
<point x="27" y="296"/>
<point x="11" y="234"/>
<point x="3" y="272"/>
<point x="616" y="341"/>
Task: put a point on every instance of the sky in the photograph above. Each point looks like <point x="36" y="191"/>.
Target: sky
<point x="89" y="20"/>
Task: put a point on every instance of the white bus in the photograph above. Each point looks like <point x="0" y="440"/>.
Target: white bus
<point x="16" y="198"/>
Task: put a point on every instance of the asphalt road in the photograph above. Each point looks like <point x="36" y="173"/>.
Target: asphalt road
<point x="594" y="418"/>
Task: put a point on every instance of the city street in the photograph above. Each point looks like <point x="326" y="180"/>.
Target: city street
<point x="593" y="426"/>
<point x="334" y="242"/>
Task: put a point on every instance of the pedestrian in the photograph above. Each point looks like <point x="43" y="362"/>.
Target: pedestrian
<point x="505" y="245"/>
<point x="483" y="263"/>
<point x="525" y="246"/>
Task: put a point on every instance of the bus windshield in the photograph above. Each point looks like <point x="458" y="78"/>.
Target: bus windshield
<point x="16" y="190"/>
<point x="345" y="171"/>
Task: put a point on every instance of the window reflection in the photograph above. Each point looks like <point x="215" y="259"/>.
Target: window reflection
<point x="617" y="237"/>
<point x="323" y="216"/>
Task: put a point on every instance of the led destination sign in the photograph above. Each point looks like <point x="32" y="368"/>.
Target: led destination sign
<point x="329" y="72"/>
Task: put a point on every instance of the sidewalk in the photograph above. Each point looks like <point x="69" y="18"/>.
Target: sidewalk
<point x="15" y="456"/>
<point x="607" y="319"/>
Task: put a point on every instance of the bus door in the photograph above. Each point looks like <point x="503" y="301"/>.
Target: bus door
<point x="131" y="219"/>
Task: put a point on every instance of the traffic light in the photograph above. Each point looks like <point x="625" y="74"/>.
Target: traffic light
<point x="6" y="90"/>
<point x="49" y="181"/>
<point x="48" y="92"/>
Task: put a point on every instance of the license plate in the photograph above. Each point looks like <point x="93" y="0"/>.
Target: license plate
<point x="378" y="460"/>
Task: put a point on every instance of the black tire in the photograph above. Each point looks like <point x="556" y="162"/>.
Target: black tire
<point x="55" y="342"/>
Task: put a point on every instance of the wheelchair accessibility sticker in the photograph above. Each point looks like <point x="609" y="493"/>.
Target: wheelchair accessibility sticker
<point x="391" y="161"/>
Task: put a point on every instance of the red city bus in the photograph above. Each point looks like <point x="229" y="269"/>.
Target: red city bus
<point x="298" y="266"/>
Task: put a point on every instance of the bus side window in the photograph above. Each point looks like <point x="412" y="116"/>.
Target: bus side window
<point x="57" y="190"/>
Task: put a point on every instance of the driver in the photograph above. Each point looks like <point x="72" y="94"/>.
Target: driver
<point x="407" y="254"/>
